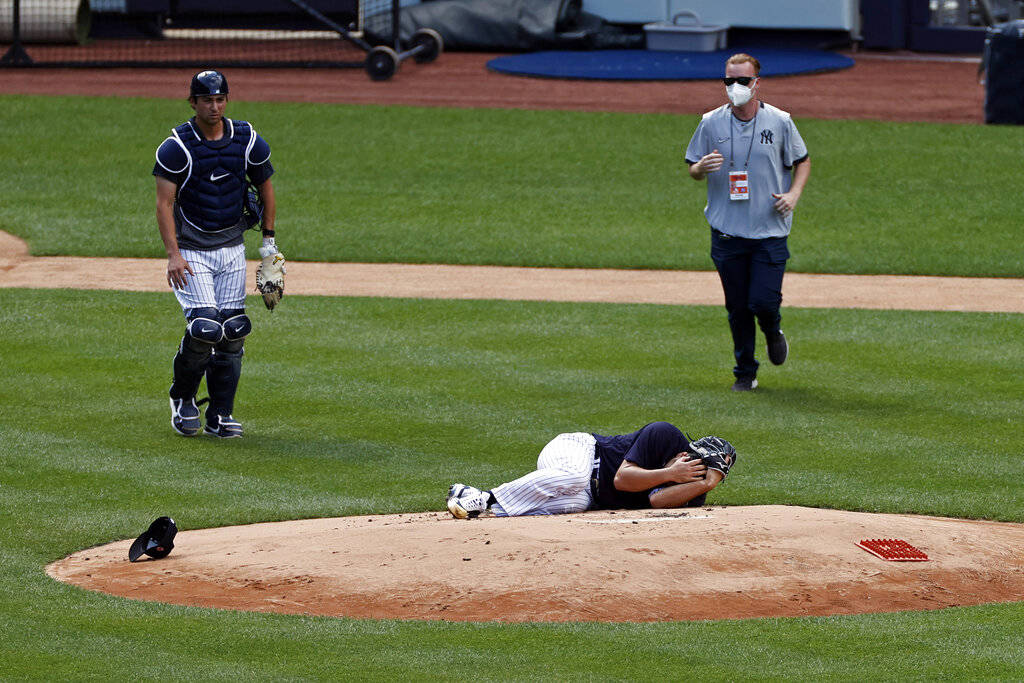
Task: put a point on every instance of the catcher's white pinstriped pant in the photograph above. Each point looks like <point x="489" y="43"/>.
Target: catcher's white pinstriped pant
<point x="559" y="485"/>
<point x="219" y="280"/>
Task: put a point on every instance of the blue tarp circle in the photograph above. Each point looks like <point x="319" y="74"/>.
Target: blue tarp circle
<point x="651" y="65"/>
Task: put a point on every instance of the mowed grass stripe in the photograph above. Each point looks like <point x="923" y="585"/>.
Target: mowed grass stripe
<point x="373" y="406"/>
<point x="436" y="185"/>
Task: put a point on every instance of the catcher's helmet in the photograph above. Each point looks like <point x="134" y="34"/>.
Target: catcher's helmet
<point x="157" y="541"/>
<point x="208" y="82"/>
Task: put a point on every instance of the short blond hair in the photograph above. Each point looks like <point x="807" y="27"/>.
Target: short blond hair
<point x="741" y="58"/>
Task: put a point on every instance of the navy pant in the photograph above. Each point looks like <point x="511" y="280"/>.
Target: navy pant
<point x="751" y="271"/>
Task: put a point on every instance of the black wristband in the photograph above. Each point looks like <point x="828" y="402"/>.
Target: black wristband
<point x="268" y="233"/>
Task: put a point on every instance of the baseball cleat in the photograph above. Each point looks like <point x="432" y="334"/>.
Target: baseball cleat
<point x="744" y="384"/>
<point x="460" y="490"/>
<point x="223" y="427"/>
<point x="466" y="502"/>
<point x="185" y="416"/>
<point x="778" y="349"/>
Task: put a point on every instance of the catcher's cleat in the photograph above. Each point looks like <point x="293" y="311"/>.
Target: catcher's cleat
<point x="778" y="349"/>
<point x="466" y="502"/>
<point x="185" y="416"/>
<point x="223" y="427"/>
<point x="744" y="384"/>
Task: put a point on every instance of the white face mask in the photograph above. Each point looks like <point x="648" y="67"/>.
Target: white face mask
<point x="739" y="94"/>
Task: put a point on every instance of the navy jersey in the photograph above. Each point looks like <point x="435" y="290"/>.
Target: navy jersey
<point x="650" y="447"/>
<point x="211" y="178"/>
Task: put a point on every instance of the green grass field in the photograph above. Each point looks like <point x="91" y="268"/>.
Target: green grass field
<point x="356" y="406"/>
<point x="440" y="390"/>
<point x="418" y="185"/>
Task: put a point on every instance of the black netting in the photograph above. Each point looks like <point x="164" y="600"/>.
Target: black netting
<point x="190" y="32"/>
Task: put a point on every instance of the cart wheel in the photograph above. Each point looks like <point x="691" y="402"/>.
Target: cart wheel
<point x="430" y="43"/>
<point x="381" y="63"/>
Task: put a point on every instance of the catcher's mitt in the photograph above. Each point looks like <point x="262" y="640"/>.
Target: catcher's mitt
<point x="715" y="453"/>
<point x="270" y="276"/>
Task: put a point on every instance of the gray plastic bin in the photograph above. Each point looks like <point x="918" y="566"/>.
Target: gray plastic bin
<point x="690" y="36"/>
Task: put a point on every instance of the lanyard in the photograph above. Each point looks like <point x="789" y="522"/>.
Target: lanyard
<point x="732" y="138"/>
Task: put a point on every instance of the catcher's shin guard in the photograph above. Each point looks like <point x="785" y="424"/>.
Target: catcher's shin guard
<point x="201" y="334"/>
<point x="222" y="375"/>
<point x="223" y="372"/>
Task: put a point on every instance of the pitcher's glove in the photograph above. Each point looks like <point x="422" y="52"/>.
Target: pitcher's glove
<point x="270" y="276"/>
<point x="715" y="453"/>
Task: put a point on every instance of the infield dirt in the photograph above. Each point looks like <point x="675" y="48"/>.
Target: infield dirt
<point x="18" y="269"/>
<point x="703" y="563"/>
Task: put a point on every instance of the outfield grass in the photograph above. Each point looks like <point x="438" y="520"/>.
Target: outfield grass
<point x="407" y="184"/>
<point x="357" y="406"/>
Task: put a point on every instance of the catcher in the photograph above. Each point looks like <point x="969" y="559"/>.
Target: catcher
<point x="656" y="466"/>
<point x="212" y="184"/>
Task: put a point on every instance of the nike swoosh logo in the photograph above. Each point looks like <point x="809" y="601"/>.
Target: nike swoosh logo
<point x="215" y="178"/>
<point x="721" y="140"/>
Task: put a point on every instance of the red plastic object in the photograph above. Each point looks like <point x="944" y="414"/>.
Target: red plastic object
<point x="892" y="549"/>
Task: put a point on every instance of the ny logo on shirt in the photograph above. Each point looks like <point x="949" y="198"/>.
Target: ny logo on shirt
<point x="766" y="137"/>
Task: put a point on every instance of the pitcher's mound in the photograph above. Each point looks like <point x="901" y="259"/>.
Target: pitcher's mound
<point x="704" y="563"/>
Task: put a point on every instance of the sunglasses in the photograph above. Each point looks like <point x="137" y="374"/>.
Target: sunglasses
<point x="742" y="80"/>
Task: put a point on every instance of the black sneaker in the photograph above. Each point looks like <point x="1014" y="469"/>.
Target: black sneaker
<point x="778" y="349"/>
<point x="744" y="384"/>
<point x="223" y="426"/>
<point x="185" y="416"/>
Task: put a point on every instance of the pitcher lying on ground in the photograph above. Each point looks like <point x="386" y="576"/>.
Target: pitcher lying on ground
<point x="656" y="466"/>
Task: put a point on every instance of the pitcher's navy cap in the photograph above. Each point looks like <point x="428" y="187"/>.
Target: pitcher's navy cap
<point x="157" y="541"/>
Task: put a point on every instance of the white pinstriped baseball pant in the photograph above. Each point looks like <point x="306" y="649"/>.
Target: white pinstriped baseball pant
<point x="219" y="280"/>
<point x="560" y="484"/>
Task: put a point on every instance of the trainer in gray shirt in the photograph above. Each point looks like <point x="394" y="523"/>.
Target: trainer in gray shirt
<point x="756" y="166"/>
<point x="766" y="147"/>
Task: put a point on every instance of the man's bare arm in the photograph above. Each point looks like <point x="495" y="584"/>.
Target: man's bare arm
<point x="679" y="495"/>
<point x="680" y="469"/>
<point x="176" y="265"/>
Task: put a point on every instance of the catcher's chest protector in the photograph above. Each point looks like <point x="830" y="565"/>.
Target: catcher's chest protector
<point x="212" y="195"/>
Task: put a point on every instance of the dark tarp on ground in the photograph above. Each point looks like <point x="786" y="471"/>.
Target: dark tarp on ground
<point x="1004" y="80"/>
<point x="515" y="25"/>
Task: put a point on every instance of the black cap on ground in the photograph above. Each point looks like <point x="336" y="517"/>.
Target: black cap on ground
<point x="157" y="541"/>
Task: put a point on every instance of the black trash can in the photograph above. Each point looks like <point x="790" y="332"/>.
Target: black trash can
<point x="1004" y="77"/>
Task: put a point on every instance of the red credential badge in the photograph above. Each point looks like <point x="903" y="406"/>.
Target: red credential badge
<point x="739" y="187"/>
